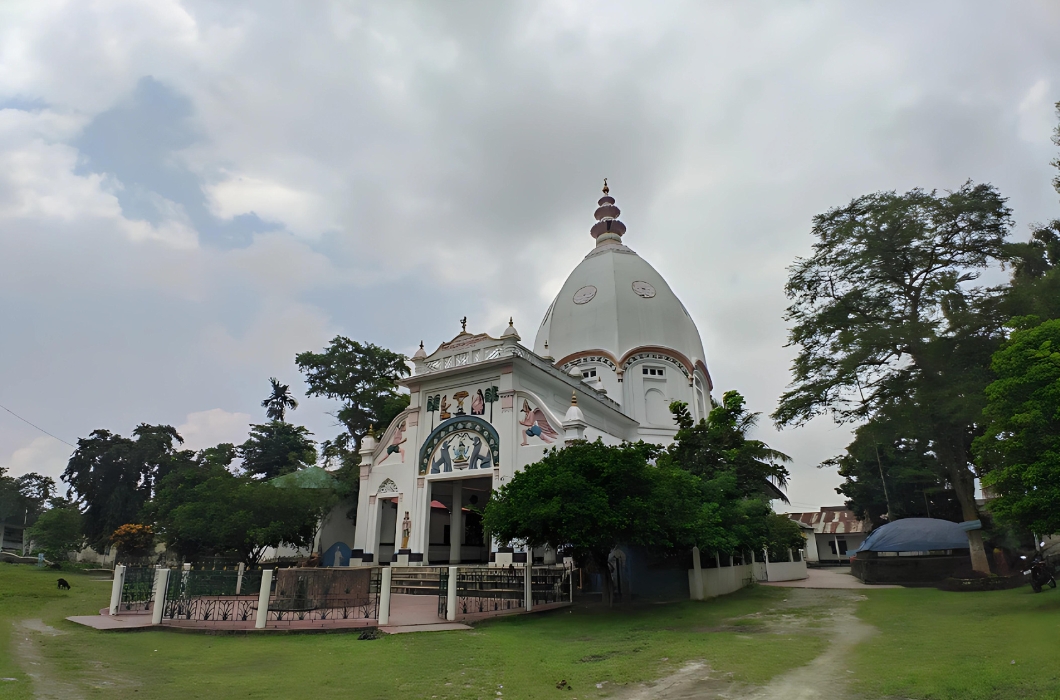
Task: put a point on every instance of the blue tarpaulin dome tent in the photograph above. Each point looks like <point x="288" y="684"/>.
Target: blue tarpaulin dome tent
<point x="915" y="535"/>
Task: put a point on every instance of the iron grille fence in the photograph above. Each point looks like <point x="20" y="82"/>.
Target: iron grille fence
<point x="137" y="589"/>
<point x="325" y="594"/>
<point x="210" y="595"/>
<point x="493" y="589"/>
<point x="443" y="592"/>
<point x="549" y="584"/>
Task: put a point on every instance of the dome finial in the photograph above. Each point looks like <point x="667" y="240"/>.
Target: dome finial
<point x="463" y="325"/>
<point x="574" y="398"/>
<point x="607" y="229"/>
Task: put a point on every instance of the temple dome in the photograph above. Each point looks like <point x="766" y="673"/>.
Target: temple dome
<point x="615" y="301"/>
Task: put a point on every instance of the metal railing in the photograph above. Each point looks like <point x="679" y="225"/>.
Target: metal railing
<point x="137" y="589"/>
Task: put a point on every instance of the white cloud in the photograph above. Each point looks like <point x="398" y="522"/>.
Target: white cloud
<point x="204" y="429"/>
<point x="44" y="455"/>
<point x="302" y="212"/>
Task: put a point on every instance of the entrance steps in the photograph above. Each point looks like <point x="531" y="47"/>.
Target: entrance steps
<point x="415" y="580"/>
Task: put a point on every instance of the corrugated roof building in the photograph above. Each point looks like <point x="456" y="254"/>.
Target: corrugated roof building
<point x="831" y="534"/>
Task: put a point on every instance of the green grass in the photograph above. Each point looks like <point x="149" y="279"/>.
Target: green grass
<point x="528" y="655"/>
<point x="938" y="645"/>
<point x="931" y="645"/>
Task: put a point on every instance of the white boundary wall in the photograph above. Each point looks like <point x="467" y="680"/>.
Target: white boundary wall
<point x="729" y="579"/>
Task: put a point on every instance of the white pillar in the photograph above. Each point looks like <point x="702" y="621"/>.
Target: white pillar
<point x="239" y="578"/>
<point x="791" y="557"/>
<point x="450" y="594"/>
<point x="384" y="596"/>
<point x="456" y="523"/>
<point x="528" y="570"/>
<point x="263" y="599"/>
<point x="161" y="585"/>
<point x="697" y="576"/>
<point x="115" y="588"/>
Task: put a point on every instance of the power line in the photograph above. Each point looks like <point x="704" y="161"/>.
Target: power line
<point x="36" y="426"/>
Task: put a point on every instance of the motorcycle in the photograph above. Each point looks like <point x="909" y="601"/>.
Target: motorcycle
<point x="1040" y="573"/>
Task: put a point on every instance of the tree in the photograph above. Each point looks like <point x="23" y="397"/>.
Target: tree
<point x="204" y="509"/>
<point x="113" y="476"/>
<point x="58" y="531"/>
<point x="719" y="443"/>
<point x="363" y="377"/>
<point x="884" y="313"/>
<point x="591" y="497"/>
<point x="24" y="498"/>
<point x="890" y="473"/>
<point x="279" y="401"/>
<point x="277" y="448"/>
<point x="1021" y="446"/>
<point x="134" y="540"/>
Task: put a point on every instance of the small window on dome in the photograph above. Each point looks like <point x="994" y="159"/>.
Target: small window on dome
<point x="654" y="371"/>
<point x="589" y="372"/>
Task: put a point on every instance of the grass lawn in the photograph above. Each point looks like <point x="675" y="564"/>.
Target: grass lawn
<point x="934" y="644"/>
<point x="930" y="645"/>
<point x="527" y="655"/>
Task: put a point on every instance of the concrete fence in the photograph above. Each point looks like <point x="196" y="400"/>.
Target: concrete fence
<point x="721" y="579"/>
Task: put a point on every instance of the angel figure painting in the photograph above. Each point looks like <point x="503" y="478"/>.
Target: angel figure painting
<point x="536" y="424"/>
<point x="397" y="443"/>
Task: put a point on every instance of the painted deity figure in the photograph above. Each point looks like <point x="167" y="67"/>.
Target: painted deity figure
<point x="536" y="424"/>
<point x="478" y="404"/>
<point x="397" y="443"/>
<point x="459" y="397"/>
<point x="406" y="531"/>
<point x="445" y="415"/>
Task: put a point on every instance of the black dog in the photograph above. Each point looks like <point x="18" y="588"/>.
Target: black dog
<point x="63" y="585"/>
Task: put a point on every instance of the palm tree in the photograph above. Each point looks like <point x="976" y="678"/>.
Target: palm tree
<point x="279" y="401"/>
<point x="491" y="396"/>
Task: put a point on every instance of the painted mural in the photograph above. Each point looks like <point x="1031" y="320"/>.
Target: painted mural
<point x="443" y="404"/>
<point x="536" y="424"/>
<point x="460" y="444"/>
<point x="397" y="443"/>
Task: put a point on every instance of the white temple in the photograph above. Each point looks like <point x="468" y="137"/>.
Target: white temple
<point x="613" y="350"/>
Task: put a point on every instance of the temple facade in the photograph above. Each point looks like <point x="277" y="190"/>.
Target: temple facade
<point x="614" y="348"/>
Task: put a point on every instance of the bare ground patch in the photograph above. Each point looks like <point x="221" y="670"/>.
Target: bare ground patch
<point x="828" y="613"/>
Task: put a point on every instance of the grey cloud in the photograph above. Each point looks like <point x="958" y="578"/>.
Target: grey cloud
<point x="452" y="155"/>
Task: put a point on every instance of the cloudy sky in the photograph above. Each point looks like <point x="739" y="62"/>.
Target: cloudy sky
<point x="191" y="193"/>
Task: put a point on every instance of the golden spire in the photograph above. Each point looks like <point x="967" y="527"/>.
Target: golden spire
<point x="574" y="398"/>
<point x="606" y="190"/>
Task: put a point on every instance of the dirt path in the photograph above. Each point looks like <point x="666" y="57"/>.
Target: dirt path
<point x="46" y="684"/>
<point x="828" y="613"/>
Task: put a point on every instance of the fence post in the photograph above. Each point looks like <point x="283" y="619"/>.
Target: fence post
<point x="697" y="576"/>
<point x="161" y="586"/>
<point x="263" y="599"/>
<point x="572" y="582"/>
<point x="115" y="588"/>
<point x="239" y="578"/>
<point x="450" y="594"/>
<point x="384" y="596"/>
<point x="528" y="582"/>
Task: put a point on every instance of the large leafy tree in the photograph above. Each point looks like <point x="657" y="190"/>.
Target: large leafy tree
<point x="112" y="477"/>
<point x="590" y="497"/>
<point x="279" y="400"/>
<point x="885" y="312"/>
<point x="276" y="448"/>
<point x="1021" y="446"/>
<point x="58" y="530"/>
<point x="889" y="472"/>
<point x="205" y="509"/>
<point x="23" y="498"/>
<point x="363" y="377"/>
<point x="720" y="444"/>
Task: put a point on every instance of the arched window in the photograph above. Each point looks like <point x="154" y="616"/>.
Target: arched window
<point x="655" y="408"/>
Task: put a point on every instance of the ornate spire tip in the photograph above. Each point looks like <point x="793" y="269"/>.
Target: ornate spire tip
<point x="606" y="190"/>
